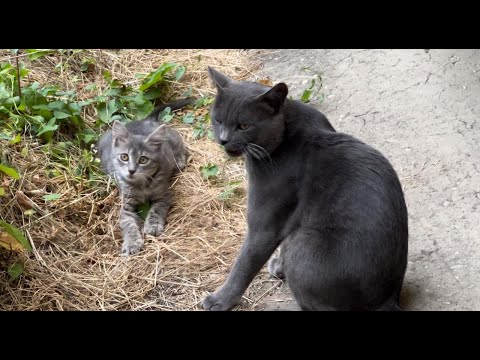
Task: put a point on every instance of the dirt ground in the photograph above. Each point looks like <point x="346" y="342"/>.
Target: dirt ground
<point x="421" y="109"/>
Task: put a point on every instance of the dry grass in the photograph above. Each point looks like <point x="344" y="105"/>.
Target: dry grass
<point x="75" y="263"/>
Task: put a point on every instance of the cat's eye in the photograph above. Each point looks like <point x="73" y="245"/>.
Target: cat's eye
<point x="243" y="126"/>
<point x="217" y="120"/>
<point x="124" y="157"/>
<point x="143" y="160"/>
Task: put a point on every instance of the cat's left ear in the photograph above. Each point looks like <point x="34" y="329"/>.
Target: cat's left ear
<point x="158" y="136"/>
<point x="275" y="96"/>
<point x="220" y="80"/>
<point x="119" y="133"/>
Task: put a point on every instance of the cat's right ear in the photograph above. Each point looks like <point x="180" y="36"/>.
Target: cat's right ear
<point x="220" y="80"/>
<point x="119" y="133"/>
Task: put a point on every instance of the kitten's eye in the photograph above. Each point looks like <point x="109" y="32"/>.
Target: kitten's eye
<point x="218" y="121"/>
<point x="143" y="160"/>
<point x="243" y="126"/>
<point x="124" y="157"/>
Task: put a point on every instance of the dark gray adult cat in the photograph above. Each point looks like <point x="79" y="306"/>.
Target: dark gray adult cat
<point x="334" y="204"/>
<point x="142" y="156"/>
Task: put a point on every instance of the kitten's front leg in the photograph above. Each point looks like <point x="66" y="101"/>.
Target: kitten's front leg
<point x="132" y="237"/>
<point x="157" y="215"/>
<point x="255" y="251"/>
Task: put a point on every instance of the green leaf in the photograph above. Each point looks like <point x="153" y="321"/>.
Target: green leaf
<point x="165" y="115"/>
<point x="230" y="190"/>
<point x="60" y="114"/>
<point x="152" y="94"/>
<point x="50" y="197"/>
<point x="29" y="212"/>
<point x="89" y="136"/>
<point x="156" y="76"/>
<point x="24" y="152"/>
<point x="188" y="118"/>
<point x="209" y="170"/>
<point x="210" y="134"/>
<point x="14" y="51"/>
<point x="9" y="171"/>
<point x="203" y="101"/>
<point x="142" y="210"/>
<point x="34" y="54"/>
<point x="90" y="87"/>
<point x="16" y="233"/>
<point x="306" y="95"/>
<point x="15" y="139"/>
<point x="2" y="191"/>
<point x="57" y="105"/>
<point x="50" y="126"/>
<point x="15" y="270"/>
<point x="180" y="72"/>
<point x="106" y="111"/>
<point x="188" y="92"/>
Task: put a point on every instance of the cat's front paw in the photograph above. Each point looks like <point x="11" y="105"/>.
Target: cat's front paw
<point x="131" y="247"/>
<point x="219" y="302"/>
<point x="153" y="228"/>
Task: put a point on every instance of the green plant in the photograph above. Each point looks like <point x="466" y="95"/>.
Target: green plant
<point x="209" y="170"/>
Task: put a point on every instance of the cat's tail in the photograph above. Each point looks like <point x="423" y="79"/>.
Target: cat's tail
<point x="174" y="105"/>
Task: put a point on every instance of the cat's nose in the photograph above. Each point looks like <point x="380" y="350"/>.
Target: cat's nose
<point x="223" y="142"/>
<point x="131" y="171"/>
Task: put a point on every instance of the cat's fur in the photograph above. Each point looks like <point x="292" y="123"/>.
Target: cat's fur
<point x="143" y="183"/>
<point x="333" y="203"/>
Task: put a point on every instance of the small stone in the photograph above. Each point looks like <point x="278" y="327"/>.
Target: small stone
<point x="456" y="267"/>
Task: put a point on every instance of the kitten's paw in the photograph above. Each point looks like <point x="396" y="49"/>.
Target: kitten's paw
<point x="153" y="228"/>
<point x="275" y="268"/>
<point x="218" y="302"/>
<point x="131" y="247"/>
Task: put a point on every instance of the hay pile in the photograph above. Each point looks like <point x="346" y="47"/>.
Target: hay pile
<point x="75" y="263"/>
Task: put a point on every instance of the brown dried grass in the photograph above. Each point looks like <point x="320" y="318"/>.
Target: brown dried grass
<point x="75" y="263"/>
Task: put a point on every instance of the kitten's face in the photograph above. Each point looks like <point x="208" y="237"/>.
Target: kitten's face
<point x="136" y="158"/>
<point x="247" y="117"/>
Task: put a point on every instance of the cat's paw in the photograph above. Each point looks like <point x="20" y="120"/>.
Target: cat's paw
<point x="275" y="268"/>
<point x="153" y="228"/>
<point x="218" y="302"/>
<point x="131" y="247"/>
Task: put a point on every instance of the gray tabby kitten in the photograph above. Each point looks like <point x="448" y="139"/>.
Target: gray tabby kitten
<point x="332" y="203"/>
<point x="142" y="156"/>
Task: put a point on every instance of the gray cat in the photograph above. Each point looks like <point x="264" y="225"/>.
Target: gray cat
<point x="333" y="203"/>
<point x="142" y="156"/>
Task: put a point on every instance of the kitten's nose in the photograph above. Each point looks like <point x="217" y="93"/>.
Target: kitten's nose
<point x="131" y="171"/>
<point x="223" y="142"/>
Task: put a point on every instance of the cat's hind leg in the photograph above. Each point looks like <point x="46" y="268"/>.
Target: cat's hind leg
<point x="276" y="264"/>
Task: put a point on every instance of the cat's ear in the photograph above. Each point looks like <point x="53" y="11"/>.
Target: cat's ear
<point x="158" y="136"/>
<point x="275" y="96"/>
<point x="119" y="133"/>
<point x="220" y="80"/>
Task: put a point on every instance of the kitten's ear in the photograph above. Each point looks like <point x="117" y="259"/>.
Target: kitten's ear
<point x="275" y="96"/>
<point x="158" y="136"/>
<point x="119" y="133"/>
<point x="218" y="78"/>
